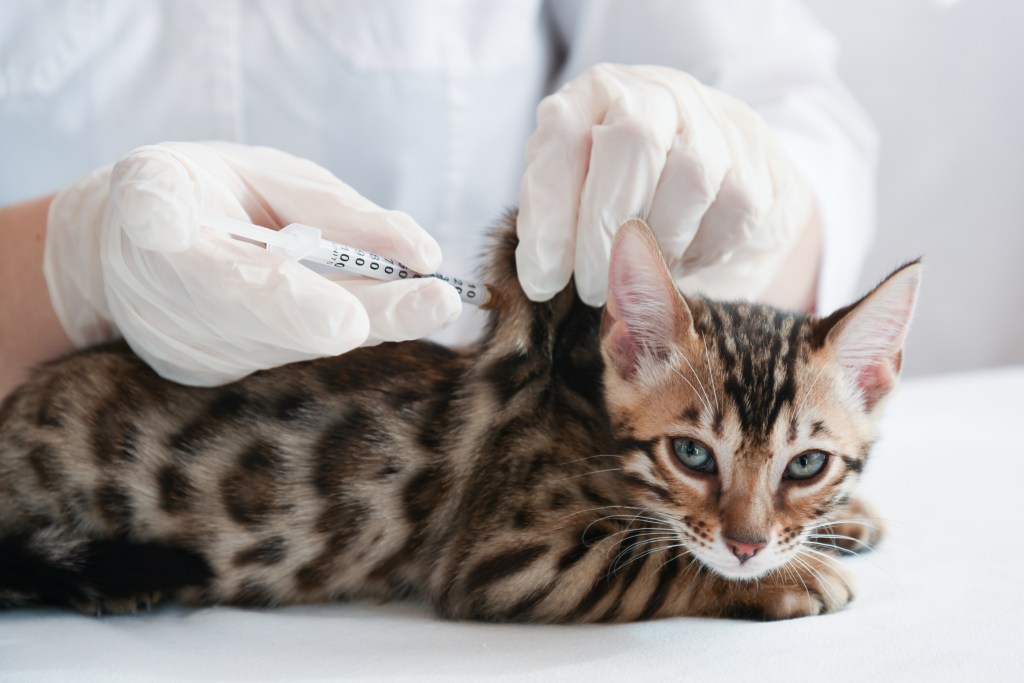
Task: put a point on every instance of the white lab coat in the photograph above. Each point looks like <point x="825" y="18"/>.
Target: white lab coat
<point x="423" y="106"/>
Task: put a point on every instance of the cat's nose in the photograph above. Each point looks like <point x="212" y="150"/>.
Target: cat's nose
<point x="746" y="548"/>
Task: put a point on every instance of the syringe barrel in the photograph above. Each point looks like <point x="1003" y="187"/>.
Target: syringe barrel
<point x="304" y="243"/>
<point x="344" y="259"/>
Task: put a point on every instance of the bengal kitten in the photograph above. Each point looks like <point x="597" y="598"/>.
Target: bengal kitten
<point x="573" y="466"/>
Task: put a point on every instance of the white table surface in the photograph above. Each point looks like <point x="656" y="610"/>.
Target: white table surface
<point x="941" y="599"/>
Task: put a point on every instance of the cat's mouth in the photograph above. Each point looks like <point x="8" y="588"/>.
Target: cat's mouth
<point x="744" y="572"/>
<point x="723" y="563"/>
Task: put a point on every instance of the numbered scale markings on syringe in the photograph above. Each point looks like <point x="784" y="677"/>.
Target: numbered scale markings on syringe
<point x="303" y="243"/>
<point x="359" y="262"/>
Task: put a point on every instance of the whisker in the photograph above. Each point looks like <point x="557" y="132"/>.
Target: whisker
<point x="693" y="562"/>
<point x="841" y="537"/>
<point x="859" y="521"/>
<point x="806" y="567"/>
<point x="874" y="564"/>
<point x="640" y="544"/>
<point x="604" y="507"/>
<point x="637" y="516"/>
<point x="616" y="566"/>
<point x="667" y="527"/>
<point x="803" y="583"/>
<point x="823" y="555"/>
<point x="830" y="546"/>
<point x="695" y="392"/>
<point x="617" y="563"/>
<point x="815" y="573"/>
<point x="711" y="375"/>
<point x="707" y="399"/>
<point x="810" y="387"/>
<point x="586" y="474"/>
<point x="674" y="557"/>
<point x="648" y="531"/>
<point x="599" y="508"/>
<point x="563" y="522"/>
<point x="591" y="457"/>
<point x="625" y="518"/>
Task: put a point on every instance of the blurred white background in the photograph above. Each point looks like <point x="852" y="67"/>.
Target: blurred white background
<point x="944" y="82"/>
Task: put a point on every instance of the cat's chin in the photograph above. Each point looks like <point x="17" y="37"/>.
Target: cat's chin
<point x="740" y="572"/>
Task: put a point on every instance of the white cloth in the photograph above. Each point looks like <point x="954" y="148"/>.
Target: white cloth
<point x="940" y="599"/>
<point x="421" y="107"/>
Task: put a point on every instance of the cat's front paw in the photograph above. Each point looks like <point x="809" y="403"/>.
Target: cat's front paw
<point x="805" y="588"/>
<point x="821" y="587"/>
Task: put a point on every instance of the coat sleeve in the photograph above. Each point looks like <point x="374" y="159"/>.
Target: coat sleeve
<point x="776" y="57"/>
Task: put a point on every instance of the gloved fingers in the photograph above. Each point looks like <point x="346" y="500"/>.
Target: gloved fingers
<point x="557" y="159"/>
<point x="158" y="192"/>
<point x="71" y="259"/>
<point x="405" y="309"/>
<point x="294" y="190"/>
<point x="745" y="276"/>
<point x="718" y="160"/>
<point x="761" y="204"/>
<point x="155" y="305"/>
<point x="285" y="303"/>
<point x="180" y="348"/>
<point x="730" y="220"/>
<point x="549" y="199"/>
<point x="688" y="185"/>
<point x="391" y="234"/>
<point x="627" y="158"/>
<point x="244" y="295"/>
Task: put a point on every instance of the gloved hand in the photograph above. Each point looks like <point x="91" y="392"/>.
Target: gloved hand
<point x="704" y="170"/>
<point x="125" y="255"/>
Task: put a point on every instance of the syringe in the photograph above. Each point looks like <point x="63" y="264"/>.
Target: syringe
<point x="304" y="243"/>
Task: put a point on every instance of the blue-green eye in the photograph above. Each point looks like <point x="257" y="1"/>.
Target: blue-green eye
<point x="806" y="465"/>
<point x="694" y="455"/>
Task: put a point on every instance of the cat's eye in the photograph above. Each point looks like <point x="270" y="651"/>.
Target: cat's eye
<point x="694" y="455"/>
<point x="806" y="465"/>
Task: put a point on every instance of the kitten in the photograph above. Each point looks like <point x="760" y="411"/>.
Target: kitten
<point x="572" y="466"/>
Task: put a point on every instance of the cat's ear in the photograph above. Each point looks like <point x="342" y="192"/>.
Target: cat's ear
<point x="645" y="317"/>
<point x="867" y="337"/>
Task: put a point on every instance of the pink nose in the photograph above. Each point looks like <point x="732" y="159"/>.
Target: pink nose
<point x="744" y="550"/>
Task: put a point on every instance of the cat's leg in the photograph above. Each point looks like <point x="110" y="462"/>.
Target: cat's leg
<point x="98" y="605"/>
<point x="602" y="572"/>
<point x="96" y="576"/>
<point x="857" y="529"/>
<point x="117" y="576"/>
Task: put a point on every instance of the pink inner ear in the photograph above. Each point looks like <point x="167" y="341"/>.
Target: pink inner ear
<point x="869" y="339"/>
<point x="624" y="349"/>
<point x="875" y="381"/>
<point x="645" y="313"/>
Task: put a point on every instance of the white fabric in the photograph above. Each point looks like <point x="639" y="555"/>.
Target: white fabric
<point x="940" y="600"/>
<point x="204" y="309"/>
<point x="420" y="107"/>
<point x="720" y="193"/>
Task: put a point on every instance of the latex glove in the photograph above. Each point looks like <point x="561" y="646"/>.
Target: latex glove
<point x="623" y="141"/>
<point x="125" y="255"/>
